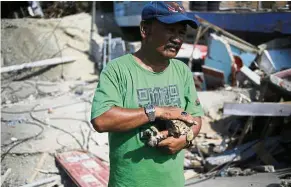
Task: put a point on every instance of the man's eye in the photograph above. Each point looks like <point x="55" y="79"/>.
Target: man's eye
<point x="182" y="33"/>
<point x="171" y="30"/>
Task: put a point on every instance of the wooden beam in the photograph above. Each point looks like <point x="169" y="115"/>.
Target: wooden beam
<point x="195" y="43"/>
<point x="255" y="78"/>
<point x="43" y="181"/>
<point x="39" y="165"/>
<point x="47" y="62"/>
<point x="257" y="109"/>
<point x="3" y="177"/>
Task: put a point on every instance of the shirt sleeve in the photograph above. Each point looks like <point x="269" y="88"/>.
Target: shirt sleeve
<point x="193" y="105"/>
<point x="107" y="93"/>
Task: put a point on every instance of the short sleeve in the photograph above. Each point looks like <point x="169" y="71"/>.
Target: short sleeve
<point x="193" y="105"/>
<point x="107" y="93"/>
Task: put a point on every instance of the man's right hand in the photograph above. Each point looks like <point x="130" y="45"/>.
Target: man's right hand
<point x="172" y="113"/>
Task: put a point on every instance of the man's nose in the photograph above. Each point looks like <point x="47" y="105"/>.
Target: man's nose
<point x="176" y="39"/>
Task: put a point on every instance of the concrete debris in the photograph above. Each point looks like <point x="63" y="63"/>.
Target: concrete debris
<point x="231" y="172"/>
<point x="190" y="174"/>
<point x="266" y="168"/>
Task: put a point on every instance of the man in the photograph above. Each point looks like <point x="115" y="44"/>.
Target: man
<point x="136" y="89"/>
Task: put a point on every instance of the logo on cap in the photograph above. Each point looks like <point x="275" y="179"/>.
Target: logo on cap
<point x="175" y="7"/>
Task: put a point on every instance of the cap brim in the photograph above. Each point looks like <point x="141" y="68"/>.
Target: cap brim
<point x="171" y="19"/>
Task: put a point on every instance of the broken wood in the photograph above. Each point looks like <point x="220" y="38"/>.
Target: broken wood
<point x="245" y="130"/>
<point x="47" y="62"/>
<point x="3" y="177"/>
<point x="257" y="109"/>
<point x="195" y="43"/>
<point x="43" y="181"/>
<point x="251" y="75"/>
<point x="39" y="165"/>
<point x="46" y="172"/>
<point x="264" y="155"/>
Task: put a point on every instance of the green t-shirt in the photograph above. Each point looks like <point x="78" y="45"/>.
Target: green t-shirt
<point x="125" y="83"/>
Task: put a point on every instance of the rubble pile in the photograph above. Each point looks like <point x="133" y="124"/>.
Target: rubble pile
<point x="29" y="40"/>
<point x="256" y="125"/>
<point x="255" y="139"/>
<point x="59" y="9"/>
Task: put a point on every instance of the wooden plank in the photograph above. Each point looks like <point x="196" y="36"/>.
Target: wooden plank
<point x="47" y="62"/>
<point x="257" y="109"/>
<point x="43" y="181"/>
<point x="213" y="77"/>
<point x="213" y="72"/>
<point x="251" y="75"/>
<point x="195" y="43"/>
<point x="245" y="130"/>
<point x="3" y="177"/>
<point x="282" y="83"/>
<point x="84" y="169"/>
<point x="39" y="165"/>
<point x="264" y="155"/>
<point x="283" y="74"/>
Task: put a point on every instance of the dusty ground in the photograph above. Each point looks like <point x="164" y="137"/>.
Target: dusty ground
<point x="64" y="126"/>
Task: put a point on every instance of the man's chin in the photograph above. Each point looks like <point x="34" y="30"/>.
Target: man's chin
<point x="170" y="55"/>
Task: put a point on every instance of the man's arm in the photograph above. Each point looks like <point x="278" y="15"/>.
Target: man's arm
<point x="196" y="128"/>
<point x="119" y="119"/>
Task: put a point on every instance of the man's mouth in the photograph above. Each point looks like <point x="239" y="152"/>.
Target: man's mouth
<point x="172" y="47"/>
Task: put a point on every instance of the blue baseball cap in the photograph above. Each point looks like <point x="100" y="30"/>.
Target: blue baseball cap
<point x="167" y="12"/>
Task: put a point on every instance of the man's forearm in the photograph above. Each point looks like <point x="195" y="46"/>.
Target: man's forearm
<point x="120" y="119"/>
<point x="197" y="128"/>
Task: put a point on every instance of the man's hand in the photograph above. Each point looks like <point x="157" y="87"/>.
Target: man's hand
<point x="172" y="145"/>
<point x="173" y="113"/>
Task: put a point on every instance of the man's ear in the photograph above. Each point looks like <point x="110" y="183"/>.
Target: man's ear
<point x="144" y="29"/>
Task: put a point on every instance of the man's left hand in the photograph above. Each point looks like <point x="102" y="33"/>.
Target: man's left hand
<point x="173" y="145"/>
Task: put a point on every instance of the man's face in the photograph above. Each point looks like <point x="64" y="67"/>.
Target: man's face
<point x="166" y="39"/>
